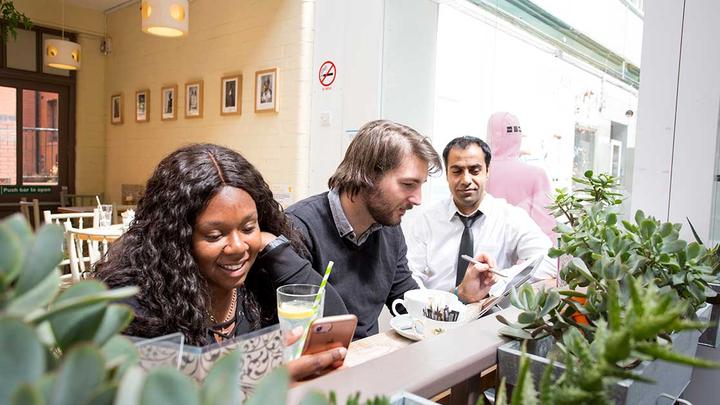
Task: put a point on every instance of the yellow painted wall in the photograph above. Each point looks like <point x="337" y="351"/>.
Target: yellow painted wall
<point x="91" y="111"/>
<point x="226" y="36"/>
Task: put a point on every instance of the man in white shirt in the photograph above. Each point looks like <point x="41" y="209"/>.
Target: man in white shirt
<point x="438" y="235"/>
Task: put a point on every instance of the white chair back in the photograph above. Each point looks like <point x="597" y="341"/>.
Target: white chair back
<point x="77" y="221"/>
<point x="85" y="248"/>
<point x="80" y="221"/>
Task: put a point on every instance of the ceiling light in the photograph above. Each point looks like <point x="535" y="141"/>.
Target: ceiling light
<point x="61" y="53"/>
<point x="166" y="18"/>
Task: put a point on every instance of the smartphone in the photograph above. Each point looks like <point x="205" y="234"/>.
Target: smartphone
<point x="328" y="332"/>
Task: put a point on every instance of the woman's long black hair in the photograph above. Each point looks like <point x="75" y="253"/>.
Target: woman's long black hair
<point x="156" y="252"/>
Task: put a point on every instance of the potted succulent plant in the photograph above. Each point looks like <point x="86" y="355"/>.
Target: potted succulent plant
<point x="65" y="347"/>
<point x="633" y="289"/>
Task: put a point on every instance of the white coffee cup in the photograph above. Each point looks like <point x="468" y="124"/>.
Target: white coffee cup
<point x="430" y="328"/>
<point x="415" y="300"/>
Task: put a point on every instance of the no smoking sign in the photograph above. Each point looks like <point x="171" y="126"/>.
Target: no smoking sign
<point x="327" y="73"/>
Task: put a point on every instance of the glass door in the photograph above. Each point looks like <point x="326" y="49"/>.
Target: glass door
<point x="34" y="158"/>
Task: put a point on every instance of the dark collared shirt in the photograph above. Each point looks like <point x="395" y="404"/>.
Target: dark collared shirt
<point x="343" y="225"/>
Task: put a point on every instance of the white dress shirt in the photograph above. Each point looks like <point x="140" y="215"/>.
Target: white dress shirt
<point x="505" y="232"/>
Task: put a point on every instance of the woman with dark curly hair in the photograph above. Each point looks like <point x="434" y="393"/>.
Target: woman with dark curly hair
<point x="204" y="252"/>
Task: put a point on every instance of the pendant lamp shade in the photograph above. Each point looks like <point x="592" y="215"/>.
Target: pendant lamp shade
<point x="166" y="18"/>
<point x="62" y="54"/>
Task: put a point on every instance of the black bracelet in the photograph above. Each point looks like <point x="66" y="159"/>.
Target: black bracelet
<point x="279" y="241"/>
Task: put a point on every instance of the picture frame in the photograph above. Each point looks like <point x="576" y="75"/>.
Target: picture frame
<point x="142" y="105"/>
<point x="194" y="99"/>
<point x="168" y="102"/>
<point x="266" y="90"/>
<point x="231" y="95"/>
<point x="116" y="109"/>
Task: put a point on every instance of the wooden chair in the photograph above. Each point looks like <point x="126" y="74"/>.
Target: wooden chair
<point x="85" y="249"/>
<point x="25" y="206"/>
<point x="78" y="200"/>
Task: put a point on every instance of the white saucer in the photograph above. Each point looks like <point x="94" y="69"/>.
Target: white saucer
<point x="403" y="325"/>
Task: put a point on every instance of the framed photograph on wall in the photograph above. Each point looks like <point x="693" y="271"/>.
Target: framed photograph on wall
<point x="194" y="99"/>
<point x="230" y="95"/>
<point x="266" y="90"/>
<point x="142" y="105"/>
<point x="168" y="103"/>
<point x="116" y="109"/>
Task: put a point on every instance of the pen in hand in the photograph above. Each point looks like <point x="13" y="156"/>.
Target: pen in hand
<point x="482" y="265"/>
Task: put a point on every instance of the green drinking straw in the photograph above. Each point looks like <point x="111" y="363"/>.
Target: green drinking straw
<point x="316" y="304"/>
<point x="324" y="281"/>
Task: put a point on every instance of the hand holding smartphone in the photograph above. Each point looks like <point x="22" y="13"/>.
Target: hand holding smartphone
<point x="329" y="332"/>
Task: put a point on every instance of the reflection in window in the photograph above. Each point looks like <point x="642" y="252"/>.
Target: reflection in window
<point x="583" y="152"/>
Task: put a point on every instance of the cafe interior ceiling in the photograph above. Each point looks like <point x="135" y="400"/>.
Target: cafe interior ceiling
<point x="101" y="5"/>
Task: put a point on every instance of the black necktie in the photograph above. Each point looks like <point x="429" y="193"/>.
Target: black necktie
<point x="466" y="244"/>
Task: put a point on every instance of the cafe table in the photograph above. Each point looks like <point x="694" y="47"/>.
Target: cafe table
<point x="77" y="209"/>
<point x="101" y="234"/>
<point x="386" y="363"/>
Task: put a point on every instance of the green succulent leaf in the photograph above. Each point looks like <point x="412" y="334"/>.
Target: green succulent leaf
<point x="501" y="397"/>
<point x="657" y="351"/>
<point x="524" y="392"/>
<point x="80" y="376"/>
<point x="83" y="323"/>
<point x="220" y="386"/>
<point x="639" y="217"/>
<point x="674" y="246"/>
<point x="617" y="346"/>
<point x="130" y="387"/>
<point x="37" y="297"/>
<point x="23" y="358"/>
<point x="41" y="258"/>
<point x="551" y="302"/>
<point x="611" y="219"/>
<point x="580" y="266"/>
<point x="120" y="354"/>
<point x="115" y="319"/>
<point x="516" y="333"/>
<point x="527" y="317"/>
<point x="15" y="233"/>
<point x="27" y="394"/>
<point x="45" y="384"/>
<point x="71" y="304"/>
<point x="105" y="395"/>
<point x="272" y="390"/>
<point x="314" y="398"/>
<point x="169" y="386"/>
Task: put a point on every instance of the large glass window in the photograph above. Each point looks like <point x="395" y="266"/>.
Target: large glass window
<point x="36" y="132"/>
<point x="576" y="113"/>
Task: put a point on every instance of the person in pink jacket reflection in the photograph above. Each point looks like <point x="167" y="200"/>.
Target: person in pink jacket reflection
<point x="519" y="183"/>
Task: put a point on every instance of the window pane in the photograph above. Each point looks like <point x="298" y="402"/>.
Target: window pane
<point x="8" y="136"/>
<point x="50" y="70"/>
<point x="21" y="51"/>
<point x="40" y="138"/>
